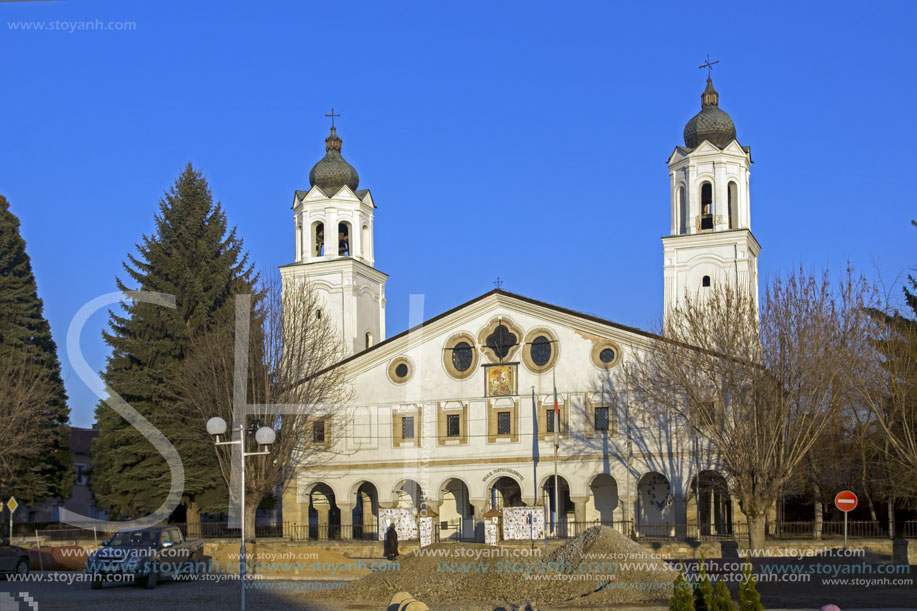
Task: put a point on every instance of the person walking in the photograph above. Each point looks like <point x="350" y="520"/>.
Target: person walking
<point x="391" y="542"/>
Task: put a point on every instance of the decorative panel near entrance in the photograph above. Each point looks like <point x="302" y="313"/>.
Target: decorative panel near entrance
<point x="404" y="520"/>
<point x="523" y="523"/>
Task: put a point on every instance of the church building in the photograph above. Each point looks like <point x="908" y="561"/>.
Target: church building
<point x="455" y="417"/>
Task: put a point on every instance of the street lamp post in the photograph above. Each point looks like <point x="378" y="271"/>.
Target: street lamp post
<point x="264" y="436"/>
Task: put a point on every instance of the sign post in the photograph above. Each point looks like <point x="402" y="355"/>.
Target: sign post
<point x="12" y="505"/>
<point x="846" y="501"/>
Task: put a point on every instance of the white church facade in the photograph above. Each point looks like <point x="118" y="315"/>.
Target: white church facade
<point x="454" y="418"/>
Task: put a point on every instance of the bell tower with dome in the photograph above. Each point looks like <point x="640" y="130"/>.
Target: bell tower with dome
<point x="334" y="248"/>
<point x="710" y="238"/>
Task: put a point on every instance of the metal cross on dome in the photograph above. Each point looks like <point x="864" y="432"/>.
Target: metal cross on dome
<point x="332" y="115"/>
<point x="707" y="64"/>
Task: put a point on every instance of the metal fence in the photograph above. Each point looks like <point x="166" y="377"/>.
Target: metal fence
<point x="86" y="533"/>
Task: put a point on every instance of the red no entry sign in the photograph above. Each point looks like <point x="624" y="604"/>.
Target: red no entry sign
<point x="845" y="501"/>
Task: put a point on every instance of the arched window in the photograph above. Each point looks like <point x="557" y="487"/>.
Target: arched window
<point x="318" y="239"/>
<point x="369" y="339"/>
<point x="732" y="193"/>
<point x="344" y="239"/>
<point x="705" y="281"/>
<point x="364" y="242"/>
<point x="706" y="206"/>
<point x="682" y="211"/>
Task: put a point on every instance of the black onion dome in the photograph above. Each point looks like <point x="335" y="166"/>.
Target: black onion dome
<point x="333" y="172"/>
<point x="711" y="123"/>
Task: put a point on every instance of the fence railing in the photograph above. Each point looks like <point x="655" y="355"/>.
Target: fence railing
<point x="89" y="533"/>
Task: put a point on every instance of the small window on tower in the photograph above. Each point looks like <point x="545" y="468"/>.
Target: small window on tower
<point x="706" y="206"/>
<point x="705" y="281"/>
<point x="369" y="340"/>
<point x="319" y="237"/>
<point x="343" y="239"/>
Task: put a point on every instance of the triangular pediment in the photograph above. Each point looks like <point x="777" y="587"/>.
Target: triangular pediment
<point x="469" y="318"/>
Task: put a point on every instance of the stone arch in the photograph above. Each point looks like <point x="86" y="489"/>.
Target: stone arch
<point x="345" y="239"/>
<point x="455" y="509"/>
<point x="365" y="519"/>
<point x="317" y="239"/>
<point x="407" y="493"/>
<point x="324" y="515"/>
<point x="557" y="519"/>
<point x="504" y="491"/>
<point x="709" y="504"/>
<point x="655" y="509"/>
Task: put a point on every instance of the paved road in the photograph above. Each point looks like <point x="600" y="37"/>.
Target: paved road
<point x="59" y="595"/>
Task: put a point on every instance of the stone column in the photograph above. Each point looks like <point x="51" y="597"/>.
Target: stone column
<point x="480" y="506"/>
<point x="680" y="515"/>
<point x="331" y="232"/>
<point x="430" y="506"/>
<point x="579" y="513"/>
<point x="346" y="519"/>
<point x="356" y="240"/>
<point x="322" y="511"/>
<point x="306" y="239"/>
<point x="298" y="237"/>
<point x="369" y="518"/>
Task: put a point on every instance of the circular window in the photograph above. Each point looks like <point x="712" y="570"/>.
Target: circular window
<point x="606" y="354"/>
<point x="400" y="370"/>
<point x="540" y="350"/>
<point x="460" y="356"/>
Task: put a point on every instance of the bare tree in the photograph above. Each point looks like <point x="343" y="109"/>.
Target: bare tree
<point x="24" y="395"/>
<point x="292" y="387"/>
<point x="887" y="386"/>
<point x="758" y="391"/>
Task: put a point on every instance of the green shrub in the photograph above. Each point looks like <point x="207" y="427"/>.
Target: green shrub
<point x="682" y="598"/>
<point x="749" y="599"/>
<point x="703" y="589"/>
<point x="721" y="598"/>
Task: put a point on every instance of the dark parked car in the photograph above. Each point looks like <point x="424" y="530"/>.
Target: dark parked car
<point x="13" y="559"/>
<point x="145" y="556"/>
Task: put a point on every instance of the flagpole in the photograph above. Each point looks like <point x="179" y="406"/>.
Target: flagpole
<point x="556" y="446"/>
<point x="534" y="469"/>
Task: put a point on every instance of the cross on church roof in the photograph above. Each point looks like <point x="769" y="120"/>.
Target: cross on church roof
<point x="332" y="115"/>
<point x="707" y="64"/>
<point x="498" y="283"/>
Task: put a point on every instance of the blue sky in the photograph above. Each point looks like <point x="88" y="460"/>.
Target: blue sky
<point x="521" y="139"/>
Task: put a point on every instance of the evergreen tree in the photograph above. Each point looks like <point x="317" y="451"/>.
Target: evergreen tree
<point x="703" y="589"/>
<point x="910" y="294"/>
<point x="682" y="597"/>
<point x="42" y="466"/>
<point x="749" y="599"/>
<point x="721" y="599"/>
<point x="195" y="257"/>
